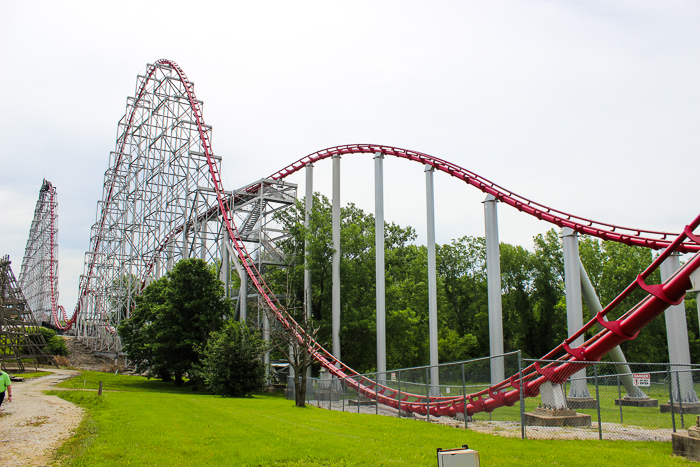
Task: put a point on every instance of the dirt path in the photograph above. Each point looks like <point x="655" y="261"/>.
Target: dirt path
<point x="33" y="425"/>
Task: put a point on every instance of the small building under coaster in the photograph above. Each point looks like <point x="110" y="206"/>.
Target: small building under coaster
<point x="21" y="341"/>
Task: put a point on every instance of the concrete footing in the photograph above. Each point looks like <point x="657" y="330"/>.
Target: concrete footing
<point x="581" y="403"/>
<point x="687" y="444"/>
<point x="460" y="416"/>
<point x="361" y="402"/>
<point x="637" y="402"/>
<point x="690" y="407"/>
<point x="333" y="396"/>
<point x="548" y="417"/>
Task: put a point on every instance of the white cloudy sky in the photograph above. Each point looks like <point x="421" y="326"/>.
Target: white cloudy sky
<point x="592" y="107"/>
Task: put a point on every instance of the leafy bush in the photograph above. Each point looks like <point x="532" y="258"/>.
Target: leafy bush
<point x="56" y="344"/>
<point x="231" y="363"/>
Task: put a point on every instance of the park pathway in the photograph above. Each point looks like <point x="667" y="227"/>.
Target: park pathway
<point x="34" y="424"/>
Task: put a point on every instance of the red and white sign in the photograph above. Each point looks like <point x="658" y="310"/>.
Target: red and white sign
<point x="641" y="379"/>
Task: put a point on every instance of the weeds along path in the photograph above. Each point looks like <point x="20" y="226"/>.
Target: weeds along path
<point x="34" y="424"/>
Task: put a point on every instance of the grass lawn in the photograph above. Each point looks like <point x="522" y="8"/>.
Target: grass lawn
<point x="138" y="422"/>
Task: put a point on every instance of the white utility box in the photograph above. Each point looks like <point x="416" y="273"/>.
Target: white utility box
<point x="460" y="457"/>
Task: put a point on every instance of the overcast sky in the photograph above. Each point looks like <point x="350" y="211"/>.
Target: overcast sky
<point x="591" y="107"/>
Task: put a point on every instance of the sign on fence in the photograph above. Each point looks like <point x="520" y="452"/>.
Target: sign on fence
<point x="641" y="379"/>
<point x="393" y="376"/>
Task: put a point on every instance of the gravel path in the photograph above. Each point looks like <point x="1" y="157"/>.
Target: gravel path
<point x="34" y="425"/>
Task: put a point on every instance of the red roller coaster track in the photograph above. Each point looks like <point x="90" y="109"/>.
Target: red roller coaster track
<point x="507" y="392"/>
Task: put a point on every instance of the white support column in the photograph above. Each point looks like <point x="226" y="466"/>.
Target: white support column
<point x="432" y="282"/>
<point x="266" y="338"/>
<point x="309" y="203"/>
<point x="243" y="296"/>
<point x="677" y="335"/>
<point x="493" y="274"/>
<point x="225" y="266"/>
<point x="335" y="315"/>
<point x="203" y="240"/>
<point x="574" y="306"/>
<point x="379" y="264"/>
<point x="171" y="253"/>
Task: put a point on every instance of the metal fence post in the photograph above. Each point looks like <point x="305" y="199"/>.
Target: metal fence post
<point x="376" y="395"/>
<point x="427" y="391"/>
<point x="619" y="396"/>
<point x="522" y="396"/>
<point x="345" y="386"/>
<point x="670" y="393"/>
<point x="358" y="396"/>
<point x="680" y="398"/>
<point x="464" y="396"/>
<point x="597" y="398"/>
<point x="398" y="376"/>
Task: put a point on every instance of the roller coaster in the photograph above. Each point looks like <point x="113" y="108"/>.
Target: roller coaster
<point x="163" y="200"/>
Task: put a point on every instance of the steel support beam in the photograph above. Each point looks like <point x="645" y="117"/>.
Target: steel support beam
<point x="574" y="307"/>
<point x="335" y="311"/>
<point x="616" y="355"/>
<point x="309" y="204"/>
<point x="432" y="282"/>
<point x="243" y="296"/>
<point x="677" y="335"/>
<point x="379" y="265"/>
<point x="225" y="275"/>
<point x="493" y="275"/>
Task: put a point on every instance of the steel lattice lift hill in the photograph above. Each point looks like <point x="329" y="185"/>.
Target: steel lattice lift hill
<point x="20" y="339"/>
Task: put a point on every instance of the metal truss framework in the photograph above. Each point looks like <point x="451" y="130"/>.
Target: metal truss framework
<point x="159" y="206"/>
<point x="20" y="338"/>
<point x="154" y="208"/>
<point x="38" y="277"/>
<point x="255" y="209"/>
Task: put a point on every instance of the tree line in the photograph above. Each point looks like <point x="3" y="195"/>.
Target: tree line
<point x="533" y="298"/>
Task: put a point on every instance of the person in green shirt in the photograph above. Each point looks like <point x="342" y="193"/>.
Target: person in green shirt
<point x="5" y="385"/>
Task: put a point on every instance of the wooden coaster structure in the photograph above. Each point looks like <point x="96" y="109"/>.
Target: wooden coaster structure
<point x="21" y="341"/>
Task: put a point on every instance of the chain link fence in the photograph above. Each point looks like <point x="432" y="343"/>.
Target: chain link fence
<point x="605" y="400"/>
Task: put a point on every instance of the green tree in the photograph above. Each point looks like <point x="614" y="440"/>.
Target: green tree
<point x="516" y="284"/>
<point x="546" y="321"/>
<point x="173" y="317"/>
<point x="139" y="333"/>
<point x="461" y="268"/>
<point x="231" y="361"/>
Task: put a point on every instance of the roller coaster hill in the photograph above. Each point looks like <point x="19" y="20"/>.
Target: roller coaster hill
<point x="164" y="200"/>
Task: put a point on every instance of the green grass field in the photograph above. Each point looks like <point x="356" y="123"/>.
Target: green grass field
<point x="138" y="422"/>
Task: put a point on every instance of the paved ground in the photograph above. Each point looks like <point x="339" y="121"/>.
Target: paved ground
<point x="34" y="425"/>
